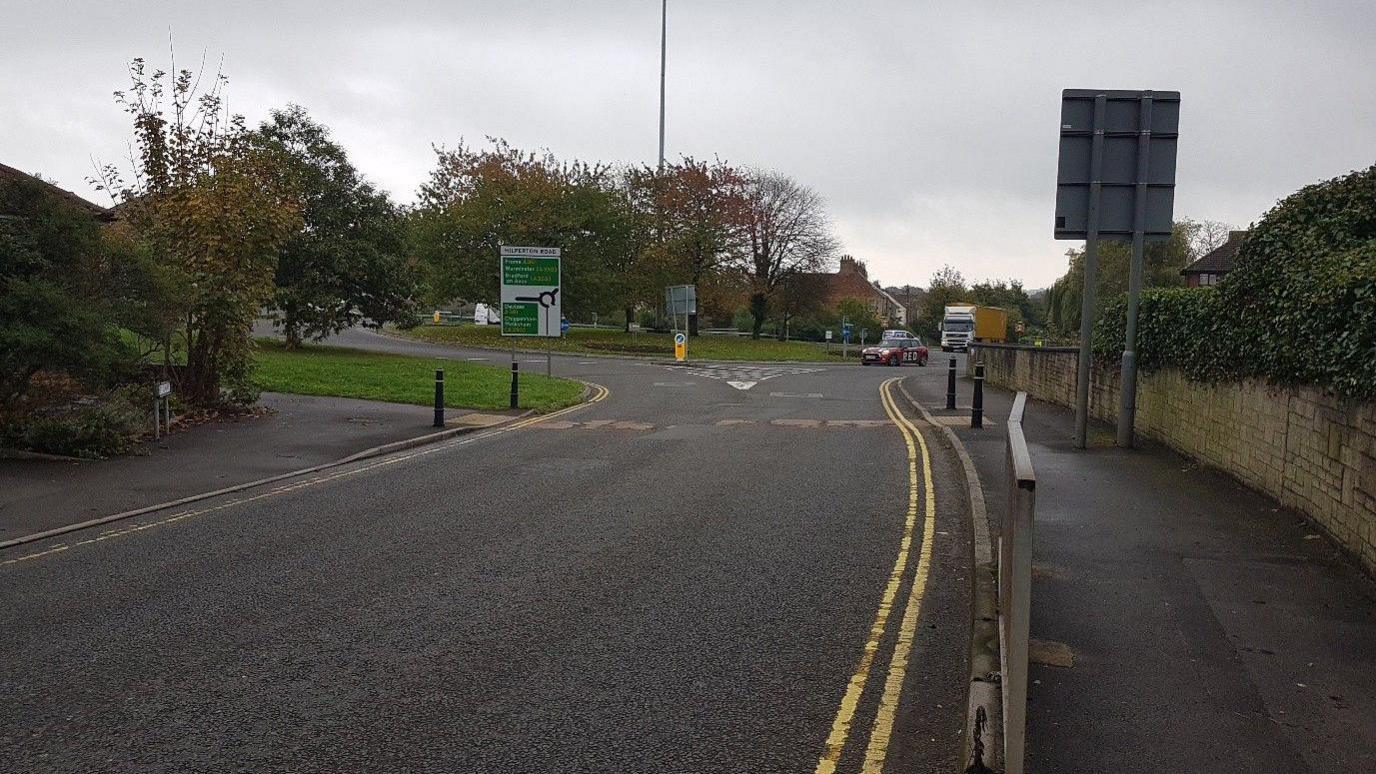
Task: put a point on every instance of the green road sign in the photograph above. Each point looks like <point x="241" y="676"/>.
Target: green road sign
<point x="531" y="305"/>
<point x="521" y="319"/>
<point x="517" y="270"/>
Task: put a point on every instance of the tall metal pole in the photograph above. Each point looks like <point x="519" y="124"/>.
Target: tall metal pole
<point x="1096" y="166"/>
<point x="663" y="46"/>
<point x="1127" y="407"/>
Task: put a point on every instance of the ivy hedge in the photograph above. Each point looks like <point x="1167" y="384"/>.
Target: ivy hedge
<point x="1298" y="308"/>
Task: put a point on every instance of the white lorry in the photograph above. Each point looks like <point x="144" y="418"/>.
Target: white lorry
<point x="962" y="324"/>
<point x="486" y="314"/>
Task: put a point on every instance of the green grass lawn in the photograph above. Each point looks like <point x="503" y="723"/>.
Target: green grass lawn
<point x="352" y="373"/>
<point x="615" y="342"/>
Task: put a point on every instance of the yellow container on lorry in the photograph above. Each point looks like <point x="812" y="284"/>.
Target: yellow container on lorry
<point x="991" y="324"/>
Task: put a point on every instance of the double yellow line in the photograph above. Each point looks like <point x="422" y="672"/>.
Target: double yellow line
<point x="599" y="393"/>
<point x="886" y="714"/>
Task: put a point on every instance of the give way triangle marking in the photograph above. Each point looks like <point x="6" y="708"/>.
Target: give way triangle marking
<point x="742" y="385"/>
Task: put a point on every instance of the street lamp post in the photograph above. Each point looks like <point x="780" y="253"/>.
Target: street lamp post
<point x="663" y="44"/>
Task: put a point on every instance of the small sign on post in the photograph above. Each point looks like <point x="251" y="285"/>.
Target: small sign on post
<point x="680" y="346"/>
<point x="161" y="406"/>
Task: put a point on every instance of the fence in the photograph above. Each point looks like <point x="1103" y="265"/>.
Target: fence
<point x="1015" y="587"/>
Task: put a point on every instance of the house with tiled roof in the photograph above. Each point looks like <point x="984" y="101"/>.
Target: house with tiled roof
<point x="100" y="213"/>
<point x="1210" y="267"/>
<point x="851" y="280"/>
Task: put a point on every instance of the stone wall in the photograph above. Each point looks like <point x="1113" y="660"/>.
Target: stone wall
<point x="1310" y="450"/>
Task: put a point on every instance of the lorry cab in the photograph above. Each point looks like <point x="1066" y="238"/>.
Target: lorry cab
<point x="957" y="328"/>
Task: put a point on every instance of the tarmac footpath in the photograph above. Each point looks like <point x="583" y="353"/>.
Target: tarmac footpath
<point x="297" y="432"/>
<point x="1207" y="628"/>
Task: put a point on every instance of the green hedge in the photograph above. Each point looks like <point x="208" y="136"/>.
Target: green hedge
<point x="1299" y="307"/>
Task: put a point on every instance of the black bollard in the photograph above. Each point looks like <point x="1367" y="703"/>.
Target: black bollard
<point x="515" y="379"/>
<point x="951" y="386"/>
<point x="977" y="408"/>
<point x="439" y="397"/>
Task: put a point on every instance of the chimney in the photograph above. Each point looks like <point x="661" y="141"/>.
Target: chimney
<point x="851" y="266"/>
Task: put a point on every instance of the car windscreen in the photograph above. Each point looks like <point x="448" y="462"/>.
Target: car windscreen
<point x="959" y="325"/>
<point x="887" y="343"/>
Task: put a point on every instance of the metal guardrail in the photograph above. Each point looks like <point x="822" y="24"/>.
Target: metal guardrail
<point x="1015" y="587"/>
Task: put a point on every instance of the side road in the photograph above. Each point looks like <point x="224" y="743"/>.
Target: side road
<point x="1210" y="630"/>
<point x="297" y="432"/>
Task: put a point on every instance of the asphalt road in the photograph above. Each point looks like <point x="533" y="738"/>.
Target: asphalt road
<point x="680" y="577"/>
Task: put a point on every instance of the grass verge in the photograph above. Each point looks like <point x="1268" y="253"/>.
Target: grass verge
<point x="352" y="373"/>
<point x="614" y="342"/>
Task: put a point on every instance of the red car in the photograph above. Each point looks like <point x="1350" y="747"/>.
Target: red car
<point x="896" y="351"/>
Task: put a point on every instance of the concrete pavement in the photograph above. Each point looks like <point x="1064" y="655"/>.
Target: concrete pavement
<point x="682" y="577"/>
<point x="1211" y="630"/>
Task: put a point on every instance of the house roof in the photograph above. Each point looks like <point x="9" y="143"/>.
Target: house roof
<point x="10" y="173"/>
<point x="1219" y="260"/>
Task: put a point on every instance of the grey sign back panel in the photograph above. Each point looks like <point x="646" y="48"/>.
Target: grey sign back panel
<point x="1119" y="173"/>
<point x="681" y="299"/>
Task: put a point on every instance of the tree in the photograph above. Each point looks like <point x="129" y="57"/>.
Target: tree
<point x="348" y="265"/>
<point x="210" y="203"/>
<point x="1162" y="262"/>
<point x="1203" y="236"/>
<point x="861" y="318"/>
<point x="693" y="212"/>
<point x="1011" y="297"/>
<point x="947" y="287"/>
<point x="787" y="233"/>
<point x="478" y="200"/>
<point x="56" y="310"/>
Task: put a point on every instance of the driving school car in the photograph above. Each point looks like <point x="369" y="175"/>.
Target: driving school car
<point x="895" y="351"/>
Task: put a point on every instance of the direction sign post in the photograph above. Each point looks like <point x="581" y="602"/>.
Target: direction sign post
<point x="531" y="303"/>
<point x="1115" y="178"/>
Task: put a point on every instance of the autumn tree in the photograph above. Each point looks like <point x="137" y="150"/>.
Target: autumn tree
<point x="785" y="233"/>
<point x="477" y="200"/>
<point x="348" y="265"/>
<point x="208" y="201"/>
<point x="693" y="213"/>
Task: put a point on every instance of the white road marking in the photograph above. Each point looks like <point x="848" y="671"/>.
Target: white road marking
<point x="742" y="385"/>
<point x="795" y="394"/>
<point x="676" y="384"/>
<point x="476" y="358"/>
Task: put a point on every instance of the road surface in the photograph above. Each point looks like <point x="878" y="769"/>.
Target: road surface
<point x="686" y="575"/>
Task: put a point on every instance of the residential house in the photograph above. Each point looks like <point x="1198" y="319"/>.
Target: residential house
<point x="1210" y="268"/>
<point x="99" y="212"/>
<point x="851" y="280"/>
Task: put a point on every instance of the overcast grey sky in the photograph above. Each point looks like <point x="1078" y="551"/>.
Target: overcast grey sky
<point x="930" y="127"/>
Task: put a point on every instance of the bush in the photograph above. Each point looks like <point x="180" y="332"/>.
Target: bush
<point x="1175" y="328"/>
<point x="1299" y="308"/>
<point x="102" y="428"/>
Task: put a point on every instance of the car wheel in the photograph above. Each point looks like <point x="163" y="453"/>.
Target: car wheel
<point x="893" y="360"/>
<point x="922" y="362"/>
